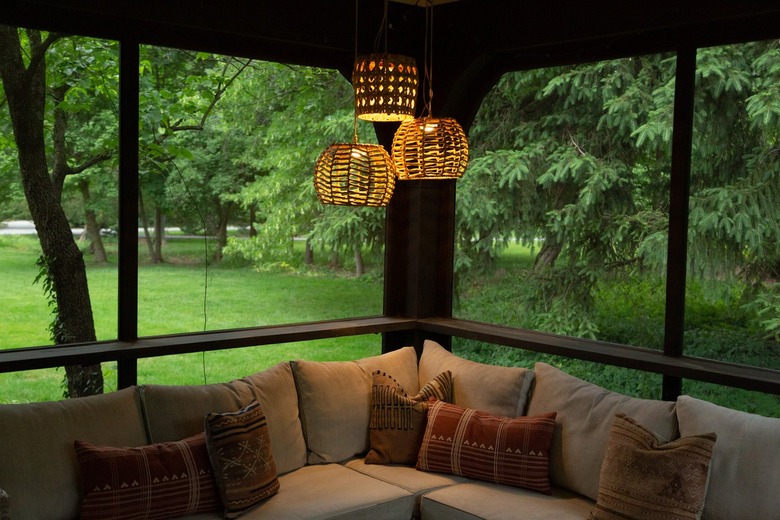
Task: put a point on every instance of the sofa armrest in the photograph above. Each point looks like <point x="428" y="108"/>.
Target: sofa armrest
<point x="5" y="506"/>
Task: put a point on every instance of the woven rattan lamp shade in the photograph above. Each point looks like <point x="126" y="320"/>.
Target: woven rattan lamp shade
<point x="385" y="87"/>
<point x="354" y="175"/>
<point x="430" y="148"/>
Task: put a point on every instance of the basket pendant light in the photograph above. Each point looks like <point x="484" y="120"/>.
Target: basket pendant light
<point x="430" y="147"/>
<point x="385" y="84"/>
<point x="354" y="174"/>
<point x="385" y="87"/>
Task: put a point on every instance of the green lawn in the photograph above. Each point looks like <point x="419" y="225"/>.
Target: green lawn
<point x="171" y="300"/>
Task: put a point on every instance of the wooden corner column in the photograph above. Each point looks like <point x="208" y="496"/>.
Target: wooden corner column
<point x="419" y="256"/>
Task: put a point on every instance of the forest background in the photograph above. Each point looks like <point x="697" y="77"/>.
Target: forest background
<point x="562" y="214"/>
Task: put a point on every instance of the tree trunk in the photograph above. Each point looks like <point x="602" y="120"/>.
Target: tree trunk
<point x="92" y="226"/>
<point x="145" y="224"/>
<point x="548" y="254"/>
<point x="26" y="96"/>
<point x="224" y="218"/>
<point x="308" y="253"/>
<point x="360" y="267"/>
<point x="252" y="219"/>
<point x="159" y="235"/>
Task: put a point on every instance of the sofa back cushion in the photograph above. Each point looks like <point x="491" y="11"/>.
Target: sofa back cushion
<point x="490" y="388"/>
<point x="275" y="390"/>
<point x="745" y="466"/>
<point x="39" y="469"/>
<point x="585" y="414"/>
<point x="335" y="401"/>
<point x="175" y="412"/>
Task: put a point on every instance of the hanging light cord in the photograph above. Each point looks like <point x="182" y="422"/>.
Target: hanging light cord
<point x="354" y="112"/>
<point x="428" y="59"/>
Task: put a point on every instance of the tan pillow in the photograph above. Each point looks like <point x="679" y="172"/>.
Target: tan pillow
<point x="480" y="445"/>
<point x="335" y="401"/>
<point x="398" y="420"/>
<point x="585" y="412"/>
<point x="643" y="479"/>
<point x="507" y="391"/>
<point x="745" y="476"/>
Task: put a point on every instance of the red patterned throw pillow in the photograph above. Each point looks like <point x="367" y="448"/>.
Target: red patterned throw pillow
<point x="483" y="446"/>
<point x="152" y="482"/>
<point x="240" y="449"/>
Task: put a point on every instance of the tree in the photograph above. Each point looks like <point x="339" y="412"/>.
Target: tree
<point x="298" y="112"/>
<point x="179" y="92"/>
<point x="27" y="85"/>
<point x="576" y="160"/>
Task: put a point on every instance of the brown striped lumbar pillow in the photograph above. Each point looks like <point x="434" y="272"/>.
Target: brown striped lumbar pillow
<point x="479" y="445"/>
<point x="397" y="422"/>
<point x="151" y="482"/>
<point x="642" y="478"/>
<point x="240" y="449"/>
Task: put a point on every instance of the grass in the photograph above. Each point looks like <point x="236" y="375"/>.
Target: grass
<point x="171" y="300"/>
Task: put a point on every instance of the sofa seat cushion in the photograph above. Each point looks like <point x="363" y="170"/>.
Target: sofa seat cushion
<point x="745" y="465"/>
<point x="335" y="401"/>
<point x="506" y="394"/>
<point x="482" y="500"/>
<point x="406" y="477"/>
<point x="334" y="491"/>
<point x="38" y="465"/>
<point x="176" y="412"/>
<point x="584" y="417"/>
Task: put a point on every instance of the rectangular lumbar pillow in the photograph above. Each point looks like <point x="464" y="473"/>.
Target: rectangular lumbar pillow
<point x="150" y="482"/>
<point x="483" y="446"/>
<point x="644" y="479"/>
<point x="239" y="447"/>
<point x="398" y="420"/>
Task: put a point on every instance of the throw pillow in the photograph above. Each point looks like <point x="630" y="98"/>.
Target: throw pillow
<point x="151" y="482"/>
<point x="397" y="420"/>
<point x="239" y="446"/>
<point x="483" y="446"/>
<point x="645" y="480"/>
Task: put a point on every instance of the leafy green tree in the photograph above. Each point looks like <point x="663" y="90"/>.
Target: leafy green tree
<point x="54" y="99"/>
<point x="576" y="160"/>
<point x="298" y="112"/>
<point x="179" y="91"/>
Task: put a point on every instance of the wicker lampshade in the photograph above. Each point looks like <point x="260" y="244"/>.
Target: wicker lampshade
<point x="385" y="87"/>
<point x="430" y="148"/>
<point x="354" y="175"/>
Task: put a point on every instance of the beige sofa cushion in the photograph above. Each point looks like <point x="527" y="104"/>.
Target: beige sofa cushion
<point x="38" y="465"/>
<point x="176" y="412"/>
<point x="585" y="414"/>
<point x="275" y="390"/>
<point x="507" y="391"/>
<point x="333" y="491"/>
<point x="335" y="401"/>
<point x="478" y="500"/>
<point x="745" y="466"/>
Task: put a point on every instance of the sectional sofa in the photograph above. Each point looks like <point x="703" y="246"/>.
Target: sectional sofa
<point x="557" y="448"/>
